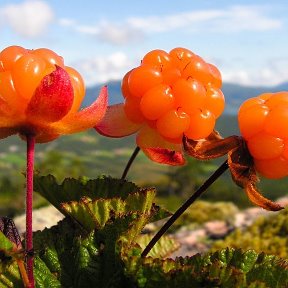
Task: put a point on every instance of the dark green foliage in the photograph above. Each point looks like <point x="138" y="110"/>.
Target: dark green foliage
<point x="99" y="244"/>
<point x="225" y="268"/>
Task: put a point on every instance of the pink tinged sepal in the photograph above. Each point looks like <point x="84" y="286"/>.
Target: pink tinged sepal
<point x="164" y="156"/>
<point x="52" y="99"/>
<point x="159" y="149"/>
<point x="116" y="124"/>
<point x="84" y="119"/>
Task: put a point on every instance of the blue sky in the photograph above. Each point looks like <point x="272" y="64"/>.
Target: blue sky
<point x="247" y="40"/>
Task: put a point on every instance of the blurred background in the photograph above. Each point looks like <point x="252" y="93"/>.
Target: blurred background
<point x="247" y="41"/>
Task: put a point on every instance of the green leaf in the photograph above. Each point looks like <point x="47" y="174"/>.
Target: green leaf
<point x="74" y="189"/>
<point x="79" y="259"/>
<point x="159" y="213"/>
<point x="43" y="276"/>
<point x="100" y="243"/>
<point x="163" y="248"/>
<point x="5" y="243"/>
<point x="225" y="268"/>
<point x="93" y="203"/>
<point x="9" y="274"/>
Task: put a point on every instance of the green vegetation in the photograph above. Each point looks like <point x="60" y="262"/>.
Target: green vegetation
<point x="102" y="236"/>
<point x="267" y="234"/>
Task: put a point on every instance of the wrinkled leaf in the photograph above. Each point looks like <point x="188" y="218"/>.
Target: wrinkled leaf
<point x="163" y="248"/>
<point x="8" y="228"/>
<point x="5" y="243"/>
<point x="225" y="268"/>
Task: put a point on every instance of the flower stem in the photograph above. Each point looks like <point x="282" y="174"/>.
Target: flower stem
<point x="29" y="207"/>
<point x="184" y="207"/>
<point x="132" y="158"/>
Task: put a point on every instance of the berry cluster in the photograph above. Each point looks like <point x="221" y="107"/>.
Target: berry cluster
<point x="263" y="124"/>
<point x="176" y="93"/>
<point x="40" y="96"/>
<point x="22" y="70"/>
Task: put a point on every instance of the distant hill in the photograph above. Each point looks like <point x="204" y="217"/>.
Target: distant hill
<point x="234" y="94"/>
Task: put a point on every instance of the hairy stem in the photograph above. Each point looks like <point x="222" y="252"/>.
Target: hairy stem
<point x="29" y="207"/>
<point x="184" y="207"/>
<point x="132" y="158"/>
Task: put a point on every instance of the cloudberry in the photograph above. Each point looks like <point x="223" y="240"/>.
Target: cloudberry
<point x="179" y="93"/>
<point x="263" y="123"/>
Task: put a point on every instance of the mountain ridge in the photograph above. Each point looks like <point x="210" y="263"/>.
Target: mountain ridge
<point x="235" y="94"/>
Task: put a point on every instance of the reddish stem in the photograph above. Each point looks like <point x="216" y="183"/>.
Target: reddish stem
<point x="29" y="206"/>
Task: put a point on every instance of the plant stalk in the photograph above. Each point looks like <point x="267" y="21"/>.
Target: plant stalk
<point x="132" y="158"/>
<point x="29" y="207"/>
<point x="184" y="207"/>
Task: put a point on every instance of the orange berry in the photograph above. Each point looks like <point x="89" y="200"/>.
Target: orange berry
<point x="201" y="125"/>
<point x="125" y="86"/>
<point x="273" y="168"/>
<point x="251" y="102"/>
<point x="189" y="95"/>
<point x="10" y="55"/>
<point x="49" y="55"/>
<point x="132" y="109"/>
<point x="171" y="75"/>
<point x="197" y="69"/>
<point x="142" y="79"/>
<point x="214" y="101"/>
<point x="181" y="57"/>
<point x="158" y="59"/>
<point x="265" y="96"/>
<point x="178" y="93"/>
<point x="173" y="124"/>
<point x="251" y="118"/>
<point x="263" y="122"/>
<point x="277" y="122"/>
<point x="216" y="79"/>
<point x="8" y="92"/>
<point x="285" y="151"/>
<point x="78" y="87"/>
<point x="276" y="99"/>
<point x="27" y="73"/>
<point x="265" y="146"/>
<point x="157" y="101"/>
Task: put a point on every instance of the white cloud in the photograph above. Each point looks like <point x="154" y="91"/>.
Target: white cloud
<point x="29" y="18"/>
<point x="233" y="18"/>
<point x="66" y="22"/>
<point x="119" y="34"/>
<point x="274" y="72"/>
<point x="102" y="69"/>
<point x="112" y="33"/>
<point x="173" y="22"/>
<point x="230" y="19"/>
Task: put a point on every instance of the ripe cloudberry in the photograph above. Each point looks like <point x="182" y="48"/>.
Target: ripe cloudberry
<point x="40" y="96"/>
<point x="175" y="81"/>
<point x="170" y="94"/>
<point x="263" y="123"/>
